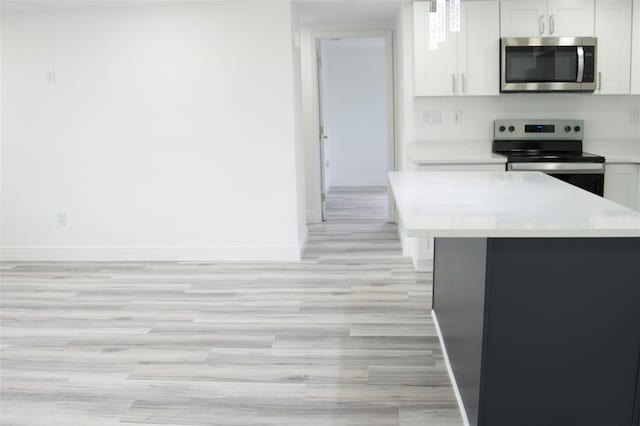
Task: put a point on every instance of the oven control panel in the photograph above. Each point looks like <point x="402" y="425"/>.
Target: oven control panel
<point x="538" y="129"/>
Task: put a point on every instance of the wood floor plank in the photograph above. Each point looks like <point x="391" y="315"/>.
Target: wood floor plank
<point x="342" y="338"/>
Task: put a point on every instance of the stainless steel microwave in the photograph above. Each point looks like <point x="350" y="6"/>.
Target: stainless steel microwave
<point x="548" y="64"/>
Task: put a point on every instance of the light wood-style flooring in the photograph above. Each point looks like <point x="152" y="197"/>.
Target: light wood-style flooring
<point x="342" y="338"/>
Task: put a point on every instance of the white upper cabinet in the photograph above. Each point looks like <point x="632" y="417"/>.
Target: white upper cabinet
<point x="436" y="71"/>
<point x="571" y="18"/>
<point x="547" y="18"/>
<point x="479" y="49"/>
<point x="467" y="63"/>
<point x="635" y="45"/>
<point x="613" y="30"/>
<point x="523" y="18"/>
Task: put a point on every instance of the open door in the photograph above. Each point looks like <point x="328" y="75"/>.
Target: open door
<point x="323" y="139"/>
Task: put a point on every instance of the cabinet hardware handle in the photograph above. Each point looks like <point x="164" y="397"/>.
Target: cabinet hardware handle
<point x="599" y="81"/>
<point x="454" y="83"/>
<point x="541" y="24"/>
<point x="580" y="52"/>
<point x="552" y="24"/>
<point x="463" y="82"/>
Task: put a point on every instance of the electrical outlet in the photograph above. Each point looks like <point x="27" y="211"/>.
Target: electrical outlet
<point x="62" y="219"/>
<point x="51" y="76"/>
<point x="432" y="117"/>
<point x="457" y="116"/>
<point x="634" y="116"/>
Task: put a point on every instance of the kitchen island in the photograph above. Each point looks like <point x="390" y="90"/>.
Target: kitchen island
<point x="536" y="295"/>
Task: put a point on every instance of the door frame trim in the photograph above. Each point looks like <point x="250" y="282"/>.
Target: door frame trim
<point x="315" y="38"/>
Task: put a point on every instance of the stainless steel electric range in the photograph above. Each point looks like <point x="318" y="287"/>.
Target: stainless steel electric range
<point x="550" y="146"/>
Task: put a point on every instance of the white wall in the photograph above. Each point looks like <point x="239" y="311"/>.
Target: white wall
<point x="355" y="111"/>
<point x="170" y="133"/>
<point x="404" y="81"/>
<point x="298" y="130"/>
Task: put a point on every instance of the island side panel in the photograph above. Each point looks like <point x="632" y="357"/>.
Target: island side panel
<point x="458" y="301"/>
<point x="562" y="332"/>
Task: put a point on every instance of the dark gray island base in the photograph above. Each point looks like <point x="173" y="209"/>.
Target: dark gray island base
<point x="542" y="332"/>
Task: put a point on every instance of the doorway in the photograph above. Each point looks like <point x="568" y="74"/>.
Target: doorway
<point x="355" y="97"/>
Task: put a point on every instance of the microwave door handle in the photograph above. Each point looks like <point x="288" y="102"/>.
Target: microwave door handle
<point x="580" y="64"/>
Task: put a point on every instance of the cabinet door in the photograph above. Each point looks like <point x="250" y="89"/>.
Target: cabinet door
<point x="436" y="71"/>
<point x="571" y="18"/>
<point x="523" y="18"/>
<point x="613" y="29"/>
<point x="621" y="184"/>
<point x="635" y="45"/>
<point x="479" y="49"/>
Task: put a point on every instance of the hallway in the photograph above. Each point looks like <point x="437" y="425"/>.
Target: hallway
<point x="343" y="337"/>
<point x="357" y="204"/>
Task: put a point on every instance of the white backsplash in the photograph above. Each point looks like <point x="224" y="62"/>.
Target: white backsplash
<point x="608" y="119"/>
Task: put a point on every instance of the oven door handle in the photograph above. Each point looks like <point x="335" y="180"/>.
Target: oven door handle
<point x="558" y="168"/>
<point x="580" y="64"/>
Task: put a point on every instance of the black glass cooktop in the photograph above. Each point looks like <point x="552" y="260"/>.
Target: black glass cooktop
<point x="544" y="151"/>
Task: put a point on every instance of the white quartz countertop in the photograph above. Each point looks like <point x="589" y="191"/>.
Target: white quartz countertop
<point x="622" y="158"/>
<point x="504" y="204"/>
<point x="428" y="154"/>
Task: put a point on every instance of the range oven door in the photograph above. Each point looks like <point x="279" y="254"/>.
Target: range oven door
<point x="548" y="64"/>
<point x="589" y="182"/>
<point x="588" y="176"/>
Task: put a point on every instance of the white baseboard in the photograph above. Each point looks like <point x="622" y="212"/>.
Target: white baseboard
<point x="456" y="389"/>
<point x="407" y="246"/>
<point x="302" y="243"/>
<point x="312" y="216"/>
<point x="131" y="254"/>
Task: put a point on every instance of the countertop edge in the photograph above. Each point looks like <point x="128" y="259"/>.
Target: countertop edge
<point x="622" y="159"/>
<point x="493" y="233"/>
<point x="468" y="160"/>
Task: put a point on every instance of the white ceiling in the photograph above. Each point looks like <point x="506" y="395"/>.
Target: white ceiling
<point x="9" y="7"/>
<point x="311" y="12"/>
<point x="319" y="12"/>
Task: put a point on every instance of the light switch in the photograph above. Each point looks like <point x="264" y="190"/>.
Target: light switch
<point x="457" y="116"/>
